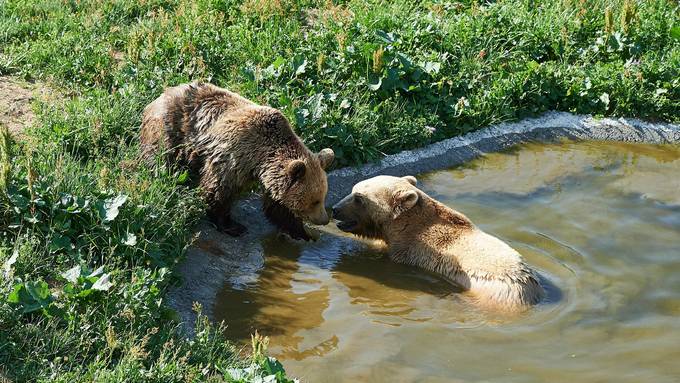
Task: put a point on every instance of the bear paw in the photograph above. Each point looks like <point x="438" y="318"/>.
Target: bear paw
<point x="232" y="228"/>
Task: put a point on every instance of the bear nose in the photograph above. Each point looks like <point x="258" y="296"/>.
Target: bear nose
<point x="334" y="211"/>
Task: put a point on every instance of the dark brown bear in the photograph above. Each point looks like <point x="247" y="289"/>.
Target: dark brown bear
<point x="227" y="142"/>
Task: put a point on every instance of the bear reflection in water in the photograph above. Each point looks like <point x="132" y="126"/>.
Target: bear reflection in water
<point x="300" y="285"/>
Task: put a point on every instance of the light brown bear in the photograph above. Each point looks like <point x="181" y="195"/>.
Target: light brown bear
<point x="228" y="142"/>
<point x="423" y="232"/>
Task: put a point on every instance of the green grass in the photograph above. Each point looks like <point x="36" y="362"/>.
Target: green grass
<point x="365" y="78"/>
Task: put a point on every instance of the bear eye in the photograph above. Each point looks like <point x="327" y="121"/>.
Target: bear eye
<point x="358" y="199"/>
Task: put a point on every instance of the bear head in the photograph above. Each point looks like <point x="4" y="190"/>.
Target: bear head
<point x="306" y="193"/>
<point x="374" y="204"/>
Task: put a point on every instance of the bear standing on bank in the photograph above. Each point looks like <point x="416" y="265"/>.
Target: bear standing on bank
<point x="421" y="231"/>
<point x="227" y="142"/>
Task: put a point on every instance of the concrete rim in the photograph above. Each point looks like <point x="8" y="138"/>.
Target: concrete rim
<point x="549" y="127"/>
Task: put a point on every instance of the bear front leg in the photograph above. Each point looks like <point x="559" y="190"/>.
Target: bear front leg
<point x="220" y="214"/>
<point x="233" y="228"/>
<point x="219" y="195"/>
<point x="283" y="218"/>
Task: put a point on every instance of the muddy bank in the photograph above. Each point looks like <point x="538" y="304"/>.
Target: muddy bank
<point x="16" y="99"/>
<point x="216" y="257"/>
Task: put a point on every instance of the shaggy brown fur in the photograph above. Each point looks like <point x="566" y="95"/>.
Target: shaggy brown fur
<point x="423" y="232"/>
<point x="228" y="142"/>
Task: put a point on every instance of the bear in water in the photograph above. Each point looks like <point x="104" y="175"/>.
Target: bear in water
<point x="423" y="232"/>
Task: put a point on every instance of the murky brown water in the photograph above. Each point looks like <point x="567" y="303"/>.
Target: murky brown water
<point x="600" y="221"/>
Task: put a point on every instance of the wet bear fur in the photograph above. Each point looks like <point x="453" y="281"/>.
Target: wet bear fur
<point x="423" y="232"/>
<point x="229" y="142"/>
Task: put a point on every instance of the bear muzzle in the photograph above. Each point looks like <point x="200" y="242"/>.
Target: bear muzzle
<point x="319" y="218"/>
<point x="344" y="221"/>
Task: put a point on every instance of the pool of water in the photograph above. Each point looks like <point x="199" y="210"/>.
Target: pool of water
<point x="601" y="221"/>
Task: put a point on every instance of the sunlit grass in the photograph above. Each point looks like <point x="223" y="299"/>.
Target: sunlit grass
<point x="365" y="78"/>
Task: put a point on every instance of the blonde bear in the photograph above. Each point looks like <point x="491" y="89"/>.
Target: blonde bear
<point x="423" y="232"/>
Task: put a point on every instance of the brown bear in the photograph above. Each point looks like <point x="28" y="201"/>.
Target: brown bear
<point x="423" y="232"/>
<point x="228" y="142"/>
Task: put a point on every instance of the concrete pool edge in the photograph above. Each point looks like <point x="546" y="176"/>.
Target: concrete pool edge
<point x="215" y="257"/>
<point x="549" y="127"/>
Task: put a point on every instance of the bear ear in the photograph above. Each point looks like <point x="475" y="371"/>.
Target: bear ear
<point x="325" y="157"/>
<point x="296" y="169"/>
<point x="411" y="179"/>
<point x="404" y="200"/>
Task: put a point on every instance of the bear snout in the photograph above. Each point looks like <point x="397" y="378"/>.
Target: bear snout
<point x="344" y="216"/>
<point x="338" y="208"/>
<point x="321" y="219"/>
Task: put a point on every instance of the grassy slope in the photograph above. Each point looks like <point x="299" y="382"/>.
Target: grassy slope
<point x="447" y="68"/>
<point x="365" y="78"/>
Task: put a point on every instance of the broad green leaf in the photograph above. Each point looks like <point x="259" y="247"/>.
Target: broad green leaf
<point x="278" y="62"/>
<point x="69" y="289"/>
<point x="99" y="271"/>
<point x="675" y="32"/>
<point x="182" y="178"/>
<point x="269" y="72"/>
<point x="300" y="69"/>
<point x="432" y="67"/>
<point x="272" y="366"/>
<point x="87" y="282"/>
<point x="7" y="266"/>
<point x="375" y="86"/>
<point x="66" y="200"/>
<point x="109" y="209"/>
<point x="31" y="307"/>
<point x="18" y="201"/>
<point x="16" y="294"/>
<point x="392" y="80"/>
<point x="60" y="242"/>
<point x="85" y="293"/>
<point x="405" y="61"/>
<point x="103" y="283"/>
<point x="301" y="116"/>
<point x="316" y="106"/>
<point x="53" y="311"/>
<point x="604" y="97"/>
<point x="72" y="274"/>
<point x="130" y="239"/>
<point x="237" y="374"/>
<point x="38" y="290"/>
<point x="32" y="296"/>
<point x="249" y="72"/>
<point x="386" y="37"/>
